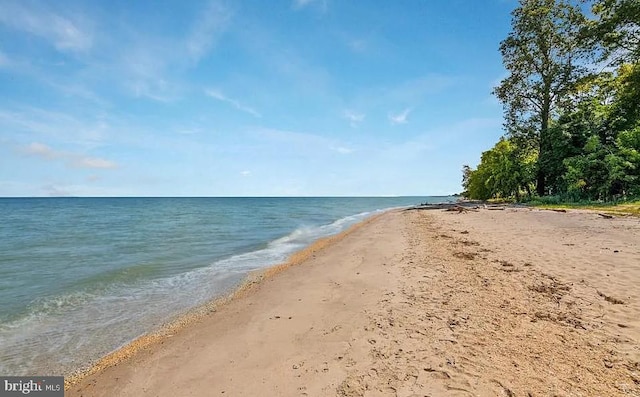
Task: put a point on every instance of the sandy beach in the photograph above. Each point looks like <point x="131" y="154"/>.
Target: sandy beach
<point x="512" y="302"/>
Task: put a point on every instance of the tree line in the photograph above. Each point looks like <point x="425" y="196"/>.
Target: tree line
<point x="571" y="104"/>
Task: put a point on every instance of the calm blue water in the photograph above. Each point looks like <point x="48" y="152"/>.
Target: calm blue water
<point x="80" y="277"/>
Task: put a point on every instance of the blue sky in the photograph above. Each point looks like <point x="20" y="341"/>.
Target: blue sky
<point x="246" y="98"/>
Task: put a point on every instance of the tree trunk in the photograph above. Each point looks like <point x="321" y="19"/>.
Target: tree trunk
<point x="541" y="186"/>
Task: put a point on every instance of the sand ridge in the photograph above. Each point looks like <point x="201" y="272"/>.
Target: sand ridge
<point x="420" y="303"/>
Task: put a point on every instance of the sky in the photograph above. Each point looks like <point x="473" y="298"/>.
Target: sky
<point x="247" y="97"/>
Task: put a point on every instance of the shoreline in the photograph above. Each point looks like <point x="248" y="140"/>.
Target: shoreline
<point x="513" y="302"/>
<point x="200" y="312"/>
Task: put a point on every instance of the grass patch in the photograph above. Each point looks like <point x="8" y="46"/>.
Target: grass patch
<point x="619" y="208"/>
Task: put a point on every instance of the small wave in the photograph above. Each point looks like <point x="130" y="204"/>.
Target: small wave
<point x="72" y="325"/>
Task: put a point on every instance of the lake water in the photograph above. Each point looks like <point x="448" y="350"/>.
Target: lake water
<point x="80" y="277"/>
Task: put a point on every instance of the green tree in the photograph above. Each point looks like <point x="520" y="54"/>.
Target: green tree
<point x="616" y="31"/>
<point x="503" y="172"/>
<point x="541" y="54"/>
<point x="615" y="39"/>
<point x="628" y="144"/>
<point x="569" y="134"/>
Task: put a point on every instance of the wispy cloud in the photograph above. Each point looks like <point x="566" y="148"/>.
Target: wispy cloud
<point x="216" y="94"/>
<point x="4" y="60"/>
<point x="301" y="143"/>
<point x="298" y="4"/>
<point x="155" y="66"/>
<point x="189" y="131"/>
<point x="357" y="45"/>
<point x="65" y="32"/>
<point x="52" y="125"/>
<point x="212" y="23"/>
<point x="147" y="66"/>
<point x="410" y="91"/>
<point x="73" y="160"/>
<point x="245" y="173"/>
<point x="354" y="118"/>
<point x="342" y="150"/>
<point x="297" y="140"/>
<point x="302" y="3"/>
<point x="56" y="191"/>
<point x="62" y="189"/>
<point x="400" y="118"/>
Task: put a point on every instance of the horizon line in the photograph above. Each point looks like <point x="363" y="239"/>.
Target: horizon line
<point x="310" y="196"/>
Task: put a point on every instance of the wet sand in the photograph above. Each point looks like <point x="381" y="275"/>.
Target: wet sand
<point x="515" y="302"/>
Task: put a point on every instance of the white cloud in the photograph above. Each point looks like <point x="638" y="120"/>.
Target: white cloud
<point x="342" y="150"/>
<point x="216" y="94"/>
<point x="207" y="30"/>
<point x="30" y="122"/>
<point x="400" y="118"/>
<point x="300" y="144"/>
<point x="146" y="66"/>
<point x="322" y="4"/>
<point x="292" y="138"/>
<point x="189" y="131"/>
<point x="245" y="173"/>
<point x="354" y="118"/>
<point x="41" y="150"/>
<point x="73" y="160"/>
<point x="65" y="33"/>
<point x="154" y="66"/>
<point x="93" y="162"/>
<point x="357" y="45"/>
<point x="4" y="61"/>
<point x="302" y="3"/>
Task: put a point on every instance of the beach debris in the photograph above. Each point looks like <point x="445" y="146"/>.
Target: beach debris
<point x="606" y="216"/>
<point x="558" y="210"/>
<point x="554" y="289"/>
<point x="494" y="208"/>
<point x="465" y="255"/>
<point x="458" y="209"/>
<point x="611" y="299"/>
<point x="608" y="363"/>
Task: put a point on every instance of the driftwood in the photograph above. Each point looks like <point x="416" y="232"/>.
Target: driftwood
<point x="559" y="210"/>
<point x="460" y="209"/>
<point x="495" y="208"/>
<point x="606" y="216"/>
<point x="445" y="206"/>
